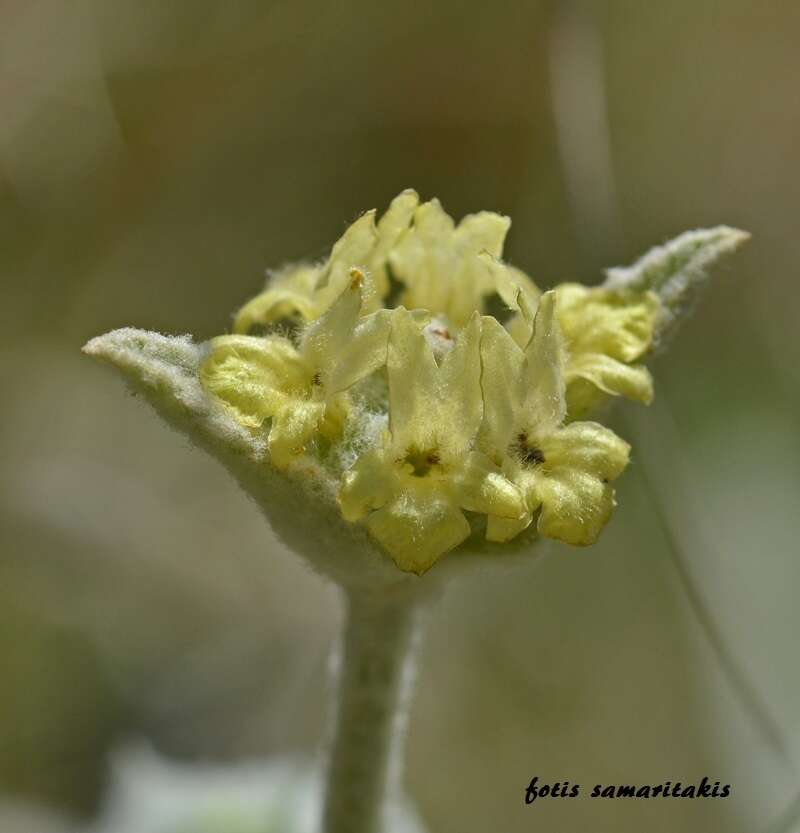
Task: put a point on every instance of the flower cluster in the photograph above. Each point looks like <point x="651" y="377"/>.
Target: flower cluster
<point x="379" y="373"/>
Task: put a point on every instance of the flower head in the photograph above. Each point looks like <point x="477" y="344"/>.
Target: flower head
<point x="418" y="429"/>
<point x="412" y="489"/>
<point x="563" y="471"/>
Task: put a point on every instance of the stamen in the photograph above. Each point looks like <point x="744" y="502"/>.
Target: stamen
<point x="356" y="278"/>
<point x="422" y="461"/>
<point x="526" y="453"/>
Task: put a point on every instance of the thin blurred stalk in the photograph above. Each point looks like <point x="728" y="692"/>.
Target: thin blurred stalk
<point x="577" y="79"/>
<point x="749" y="696"/>
<point x="375" y="678"/>
<point x="577" y="76"/>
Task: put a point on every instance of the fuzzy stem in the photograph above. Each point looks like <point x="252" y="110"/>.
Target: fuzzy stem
<point x="375" y="671"/>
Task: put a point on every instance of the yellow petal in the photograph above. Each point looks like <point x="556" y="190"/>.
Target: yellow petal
<point x="325" y="338"/>
<point x="502" y="382"/>
<point x="368" y="484"/>
<point x="508" y="281"/>
<point x="575" y="506"/>
<point x="482" y="232"/>
<point x="584" y="398"/>
<point x="608" y="376"/>
<point x="459" y="402"/>
<point x="471" y="283"/>
<point x="516" y="290"/>
<point x="292" y="427"/>
<point x="413" y="378"/>
<point x="615" y="323"/>
<point x="586" y="446"/>
<point x="365" y="351"/>
<point x="417" y="527"/>
<point x="391" y="227"/>
<point x="520" y="325"/>
<point x="341" y="347"/>
<point x="504" y="529"/>
<point x="545" y="405"/>
<point x="253" y="376"/>
<point x="353" y="249"/>
<point x="481" y="487"/>
<point x="420" y="259"/>
<point x="288" y="293"/>
<point x="440" y="264"/>
<point x="432" y="223"/>
<point x="433" y="408"/>
<point x="520" y="329"/>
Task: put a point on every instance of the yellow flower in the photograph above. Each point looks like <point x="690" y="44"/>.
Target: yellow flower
<point x="306" y="291"/>
<point x="563" y="471"/>
<point x="301" y="389"/>
<point x="605" y="332"/>
<point x="439" y="263"/>
<point x="412" y="490"/>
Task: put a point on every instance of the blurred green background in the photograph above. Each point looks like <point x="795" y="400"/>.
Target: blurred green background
<point x="156" y="157"/>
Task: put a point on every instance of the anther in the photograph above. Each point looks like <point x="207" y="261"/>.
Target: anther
<point x="356" y="278"/>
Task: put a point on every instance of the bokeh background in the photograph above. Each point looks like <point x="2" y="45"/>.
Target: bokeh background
<point x="155" y="158"/>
